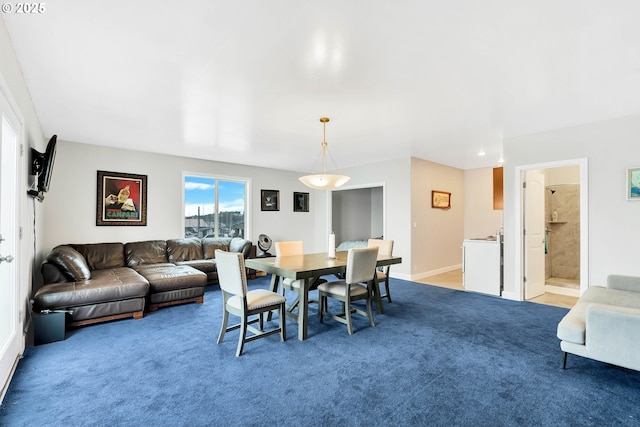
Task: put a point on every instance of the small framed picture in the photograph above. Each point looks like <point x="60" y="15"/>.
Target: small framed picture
<point x="440" y="199"/>
<point x="633" y="184"/>
<point x="300" y="202"/>
<point x="270" y="200"/>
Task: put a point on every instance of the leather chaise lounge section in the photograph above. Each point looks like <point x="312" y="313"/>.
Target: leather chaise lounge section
<point x="107" y="281"/>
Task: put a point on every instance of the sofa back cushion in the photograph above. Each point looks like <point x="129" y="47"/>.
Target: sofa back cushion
<point x="211" y="244"/>
<point x="623" y="283"/>
<point x="147" y="252"/>
<point x="184" y="249"/>
<point x="240" y="245"/>
<point x="101" y="256"/>
<point x="72" y="264"/>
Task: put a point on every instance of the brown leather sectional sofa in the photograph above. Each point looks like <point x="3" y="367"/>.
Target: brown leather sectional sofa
<point x="106" y="281"/>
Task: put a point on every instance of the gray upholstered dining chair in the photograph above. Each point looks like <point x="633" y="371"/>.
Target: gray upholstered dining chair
<point x="361" y="268"/>
<point x="237" y="300"/>
<point x="385" y="247"/>
<point x="293" y="248"/>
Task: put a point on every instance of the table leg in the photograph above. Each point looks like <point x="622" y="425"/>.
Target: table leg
<point x="303" y="308"/>
<point x="274" y="283"/>
<point x="377" y="296"/>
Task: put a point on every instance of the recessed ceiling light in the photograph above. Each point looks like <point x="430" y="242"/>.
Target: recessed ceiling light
<point x="481" y="153"/>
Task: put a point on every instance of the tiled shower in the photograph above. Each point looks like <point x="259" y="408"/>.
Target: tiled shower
<point x="562" y="259"/>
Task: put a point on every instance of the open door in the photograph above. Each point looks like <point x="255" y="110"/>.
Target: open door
<point x="534" y="234"/>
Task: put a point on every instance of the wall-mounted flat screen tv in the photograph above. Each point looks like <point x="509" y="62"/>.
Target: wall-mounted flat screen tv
<point x="42" y="166"/>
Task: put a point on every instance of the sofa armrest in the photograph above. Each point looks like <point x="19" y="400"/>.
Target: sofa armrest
<point x="623" y="283"/>
<point x="613" y="334"/>
<point x="52" y="274"/>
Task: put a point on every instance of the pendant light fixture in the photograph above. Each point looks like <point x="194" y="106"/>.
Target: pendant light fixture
<point x="324" y="181"/>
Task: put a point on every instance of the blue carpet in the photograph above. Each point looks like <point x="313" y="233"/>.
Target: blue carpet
<point x="436" y="357"/>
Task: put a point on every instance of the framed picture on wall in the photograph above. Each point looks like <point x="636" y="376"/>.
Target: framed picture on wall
<point x="122" y="199"/>
<point x="633" y="184"/>
<point x="440" y="199"/>
<point x="300" y="202"/>
<point x="270" y="200"/>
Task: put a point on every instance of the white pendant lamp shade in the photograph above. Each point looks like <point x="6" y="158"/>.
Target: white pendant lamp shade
<point x="324" y="180"/>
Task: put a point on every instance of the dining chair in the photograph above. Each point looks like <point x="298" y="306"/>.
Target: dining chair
<point x="382" y="273"/>
<point x="239" y="301"/>
<point x="293" y="248"/>
<point x="361" y="268"/>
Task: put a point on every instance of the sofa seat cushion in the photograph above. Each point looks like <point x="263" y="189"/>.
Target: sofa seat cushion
<point x="573" y="327"/>
<point x="105" y="285"/>
<point x="204" y="265"/>
<point x="168" y="277"/>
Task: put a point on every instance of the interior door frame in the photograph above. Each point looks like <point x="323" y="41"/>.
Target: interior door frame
<point x="520" y="176"/>
<point x="18" y="344"/>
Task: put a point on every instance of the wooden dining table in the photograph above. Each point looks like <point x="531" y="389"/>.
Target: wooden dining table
<point x="309" y="267"/>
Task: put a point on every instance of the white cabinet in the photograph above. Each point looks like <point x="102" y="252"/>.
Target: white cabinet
<point x="482" y="266"/>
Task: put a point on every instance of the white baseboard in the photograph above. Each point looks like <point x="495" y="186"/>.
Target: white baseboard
<point x="414" y="277"/>
<point x="435" y="272"/>
<point x="511" y="295"/>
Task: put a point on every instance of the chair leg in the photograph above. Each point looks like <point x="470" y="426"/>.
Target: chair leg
<point x="347" y="316"/>
<point x="321" y="306"/>
<point x="243" y="335"/>
<point x="564" y="361"/>
<point x="370" y="311"/>
<point x="273" y="287"/>
<point x="223" y="328"/>
<point x="283" y="323"/>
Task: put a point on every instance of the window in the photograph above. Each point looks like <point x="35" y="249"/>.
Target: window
<point x="214" y="207"/>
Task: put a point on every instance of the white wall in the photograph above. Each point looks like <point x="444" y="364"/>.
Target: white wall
<point x="436" y="234"/>
<point x="611" y="147"/>
<point x="70" y="205"/>
<point x="480" y="219"/>
<point x="434" y="242"/>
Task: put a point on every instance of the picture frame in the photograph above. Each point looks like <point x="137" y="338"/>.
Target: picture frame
<point x="440" y="199"/>
<point x="121" y="199"/>
<point x="270" y="200"/>
<point x="300" y="202"/>
<point x="633" y="183"/>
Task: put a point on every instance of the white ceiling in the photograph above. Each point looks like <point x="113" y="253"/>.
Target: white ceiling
<point x="247" y="81"/>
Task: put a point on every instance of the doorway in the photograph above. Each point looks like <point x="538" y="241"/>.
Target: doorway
<point x="357" y="213"/>
<point x="11" y="338"/>
<point x="554" y="228"/>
